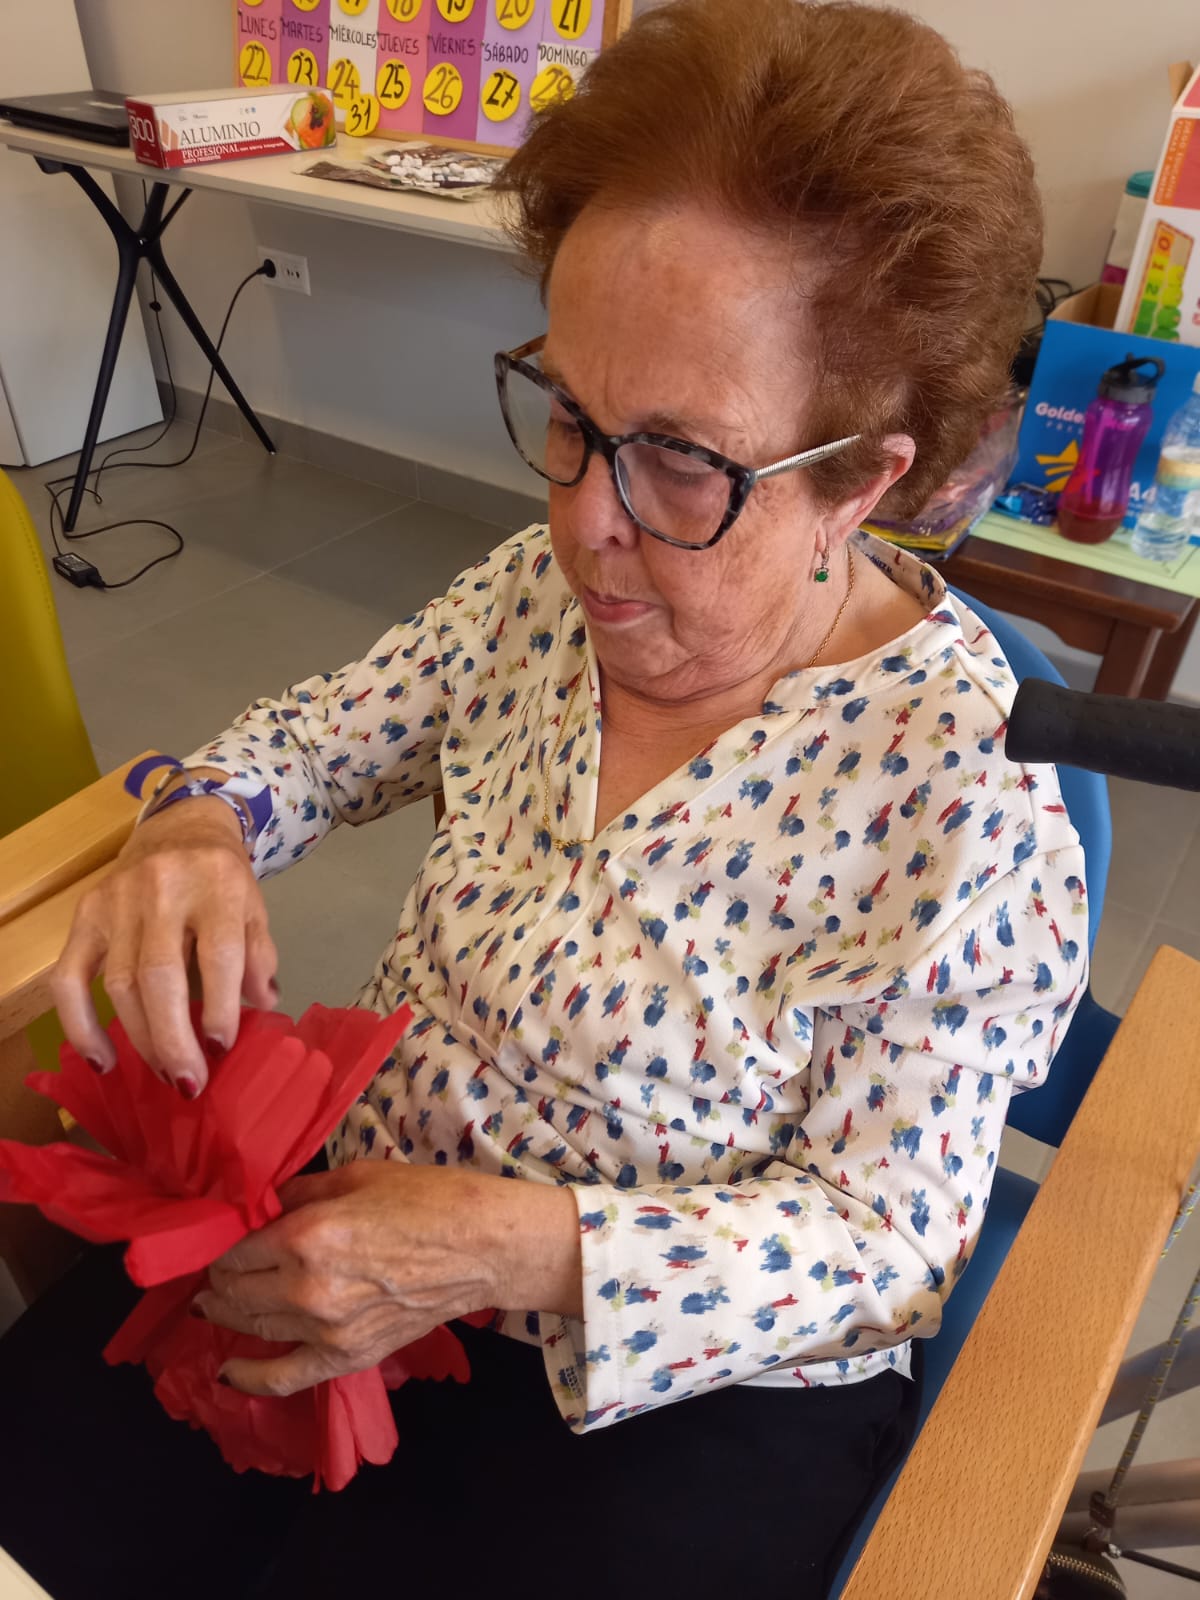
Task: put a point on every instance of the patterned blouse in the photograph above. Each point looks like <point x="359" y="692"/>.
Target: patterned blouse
<point x="765" y="1024"/>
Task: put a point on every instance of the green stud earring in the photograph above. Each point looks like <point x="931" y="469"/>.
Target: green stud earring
<point x="822" y="573"/>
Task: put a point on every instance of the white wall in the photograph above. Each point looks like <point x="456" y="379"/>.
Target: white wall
<point x="394" y="347"/>
<point x="54" y="253"/>
<point x="1088" y="82"/>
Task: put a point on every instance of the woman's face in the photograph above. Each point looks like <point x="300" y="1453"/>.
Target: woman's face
<point x="675" y="322"/>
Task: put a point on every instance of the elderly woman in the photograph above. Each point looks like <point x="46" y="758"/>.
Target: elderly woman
<point x="739" y="929"/>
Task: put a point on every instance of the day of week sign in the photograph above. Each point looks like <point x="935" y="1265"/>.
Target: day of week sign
<point x="451" y="69"/>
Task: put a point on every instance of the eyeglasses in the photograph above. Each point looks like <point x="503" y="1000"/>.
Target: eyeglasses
<point x="681" y="493"/>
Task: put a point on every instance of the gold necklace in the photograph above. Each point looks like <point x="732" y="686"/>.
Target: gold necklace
<point x="820" y="650"/>
<point x="563" y="845"/>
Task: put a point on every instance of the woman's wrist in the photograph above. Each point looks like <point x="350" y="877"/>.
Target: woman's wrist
<point x="247" y="805"/>
<point x="532" y="1241"/>
<point x="204" y="815"/>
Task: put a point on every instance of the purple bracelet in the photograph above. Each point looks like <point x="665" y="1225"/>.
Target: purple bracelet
<point x="251" y="806"/>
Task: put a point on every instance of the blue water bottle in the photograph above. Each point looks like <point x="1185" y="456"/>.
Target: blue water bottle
<point x="1172" y="510"/>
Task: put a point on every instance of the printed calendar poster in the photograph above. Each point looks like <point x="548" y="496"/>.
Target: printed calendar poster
<point x="470" y="70"/>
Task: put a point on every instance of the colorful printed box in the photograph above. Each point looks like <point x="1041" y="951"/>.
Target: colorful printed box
<point x="1162" y="292"/>
<point x="189" y="130"/>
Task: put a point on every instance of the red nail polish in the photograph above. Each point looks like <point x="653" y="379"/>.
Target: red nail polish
<point x="224" y="1381"/>
<point x="214" y="1048"/>
<point x="188" y="1087"/>
<point x="195" y="1310"/>
<point x="96" y="1066"/>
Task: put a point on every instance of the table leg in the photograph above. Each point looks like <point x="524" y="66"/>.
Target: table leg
<point x="134" y="245"/>
<point x="196" y="328"/>
<point x="1126" y="660"/>
<point x="127" y="265"/>
<point x="129" y="253"/>
<point x="1165" y="664"/>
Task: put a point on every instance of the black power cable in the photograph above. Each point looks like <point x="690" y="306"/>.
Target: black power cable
<point x="57" y="487"/>
<point x="1048" y="293"/>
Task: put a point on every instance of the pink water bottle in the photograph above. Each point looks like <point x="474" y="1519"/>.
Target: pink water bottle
<point x="1093" y="504"/>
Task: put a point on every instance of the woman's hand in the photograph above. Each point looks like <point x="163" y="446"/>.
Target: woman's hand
<point x="182" y="884"/>
<point x="375" y="1254"/>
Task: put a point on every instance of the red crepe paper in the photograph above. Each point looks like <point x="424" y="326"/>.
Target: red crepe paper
<point x="183" y="1182"/>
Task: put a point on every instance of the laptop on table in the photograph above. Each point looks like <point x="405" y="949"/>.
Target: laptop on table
<point x="87" y="114"/>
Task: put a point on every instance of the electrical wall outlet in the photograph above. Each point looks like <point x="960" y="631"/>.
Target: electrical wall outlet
<point x="291" y="272"/>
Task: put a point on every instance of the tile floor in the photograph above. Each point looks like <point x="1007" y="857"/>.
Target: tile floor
<point x="290" y="568"/>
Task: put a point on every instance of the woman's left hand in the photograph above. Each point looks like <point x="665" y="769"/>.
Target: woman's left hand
<point x="373" y="1255"/>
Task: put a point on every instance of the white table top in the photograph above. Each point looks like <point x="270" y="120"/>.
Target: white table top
<point x="279" y="180"/>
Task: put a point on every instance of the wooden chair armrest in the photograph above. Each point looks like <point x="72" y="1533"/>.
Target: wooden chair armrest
<point x="981" y="1496"/>
<point x="45" y="868"/>
<point x="30" y="945"/>
<point x="65" y="843"/>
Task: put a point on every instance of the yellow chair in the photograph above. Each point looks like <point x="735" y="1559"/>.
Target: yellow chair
<point x="46" y="748"/>
<point x="47" y="752"/>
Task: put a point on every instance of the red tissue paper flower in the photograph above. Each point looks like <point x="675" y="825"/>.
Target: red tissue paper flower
<point x="183" y="1182"/>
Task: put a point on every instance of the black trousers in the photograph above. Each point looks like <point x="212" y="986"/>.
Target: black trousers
<point x="741" y="1490"/>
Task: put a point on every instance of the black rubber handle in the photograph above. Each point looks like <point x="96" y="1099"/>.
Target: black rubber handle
<point x="1146" y="740"/>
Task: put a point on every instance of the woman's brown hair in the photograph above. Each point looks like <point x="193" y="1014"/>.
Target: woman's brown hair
<point x="856" y="132"/>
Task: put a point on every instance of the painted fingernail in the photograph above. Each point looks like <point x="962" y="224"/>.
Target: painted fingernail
<point x="214" y="1047"/>
<point x="96" y="1064"/>
<point x="274" y="988"/>
<point x="196" y="1310"/>
<point x="188" y="1087"/>
<point x="224" y="1381"/>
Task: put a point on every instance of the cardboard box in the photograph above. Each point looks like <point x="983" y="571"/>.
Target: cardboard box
<point x="1162" y="292"/>
<point x="187" y="130"/>
<point x="1078" y="346"/>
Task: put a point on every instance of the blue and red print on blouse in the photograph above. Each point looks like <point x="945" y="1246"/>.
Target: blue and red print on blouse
<point x="766" y="1024"/>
